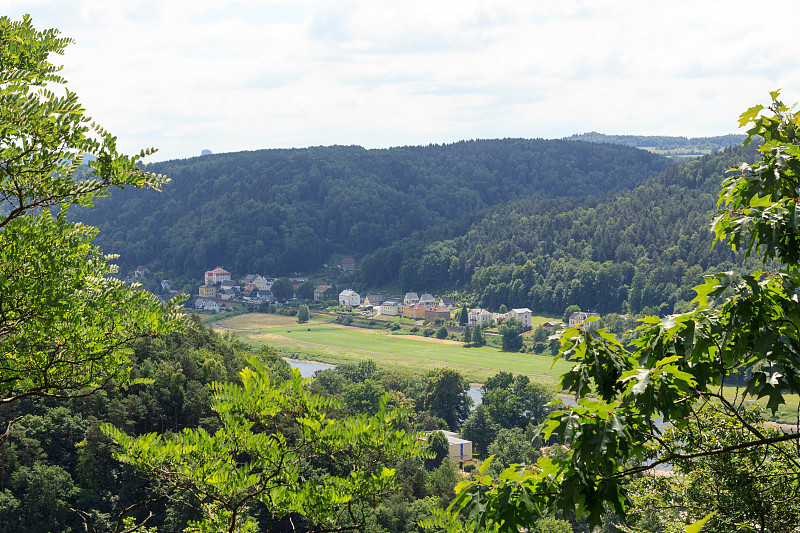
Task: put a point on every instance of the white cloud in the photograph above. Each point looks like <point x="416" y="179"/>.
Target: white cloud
<point x="186" y="75"/>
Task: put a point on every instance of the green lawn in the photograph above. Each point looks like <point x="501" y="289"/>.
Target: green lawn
<point x="377" y="345"/>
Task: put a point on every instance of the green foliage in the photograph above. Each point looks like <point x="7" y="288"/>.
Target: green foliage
<point x="549" y="524"/>
<point x="744" y="330"/>
<point x="481" y="429"/>
<point x="306" y="291"/>
<point x="443" y="480"/>
<point x="568" y="312"/>
<point x="439" y="449"/>
<point x="264" y="456"/>
<point x="287" y="211"/>
<point x="463" y="316"/>
<point x="750" y="490"/>
<point x="364" y="397"/>
<point x="441" y="333"/>
<point x="446" y="397"/>
<point x="282" y="289"/>
<point x="478" y="338"/>
<point x="511" y="331"/>
<point x="64" y="321"/>
<point x="515" y="401"/>
<point x="467" y="335"/>
<point x="695" y="145"/>
<point x="302" y="314"/>
<point x="511" y="446"/>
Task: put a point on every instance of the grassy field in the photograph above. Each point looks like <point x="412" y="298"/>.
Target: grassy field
<point x="333" y="344"/>
<point x="329" y="343"/>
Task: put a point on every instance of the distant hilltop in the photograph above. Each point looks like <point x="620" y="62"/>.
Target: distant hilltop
<point x="673" y="147"/>
<point x="206" y="152"/>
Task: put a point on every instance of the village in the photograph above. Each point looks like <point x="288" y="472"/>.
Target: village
<point x="220" y="290"/>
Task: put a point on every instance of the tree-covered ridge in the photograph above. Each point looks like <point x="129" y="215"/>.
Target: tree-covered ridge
<point x="663" y="142"/>
<point x="282" y="211"/>
<point x="640" y="250"/>
<point x="743" y="331"/>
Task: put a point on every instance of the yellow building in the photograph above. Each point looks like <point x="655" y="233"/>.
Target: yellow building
<point x="208" y="291"/>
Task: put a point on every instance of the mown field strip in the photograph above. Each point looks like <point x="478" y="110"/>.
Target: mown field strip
<point x="368" y="341"/>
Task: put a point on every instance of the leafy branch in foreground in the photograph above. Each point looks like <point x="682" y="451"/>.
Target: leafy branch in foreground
<point x="277" y="458"/>
<point x="65" y="324"/>
<point x="742" y="342"/>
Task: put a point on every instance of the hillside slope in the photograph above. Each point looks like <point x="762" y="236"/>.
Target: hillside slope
<point x="283" y="211"/>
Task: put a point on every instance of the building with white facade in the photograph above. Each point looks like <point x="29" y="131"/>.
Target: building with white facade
<point x="478" y="316"/>
<point x="349" y="298"/>
<point x="523" y="315"/>
<point x="460" y="449"/>
<point x="579" y="317"/>
<point x="390" y="308"/>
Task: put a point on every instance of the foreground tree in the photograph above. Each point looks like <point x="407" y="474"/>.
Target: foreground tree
<point x="744" y="331"/>
<point x="749" y="489"/>
<point x="277" y="455"/>
<point x="64" y="321"/>
<point x="446" y="396"/>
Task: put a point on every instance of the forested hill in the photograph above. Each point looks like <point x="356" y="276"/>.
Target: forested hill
<point x="639" y="251"/>
<point x="283" y="211"/>
<point x="664" y="142"/>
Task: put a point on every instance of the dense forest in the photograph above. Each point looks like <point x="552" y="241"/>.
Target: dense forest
<point x="663" y="142"/>
<point x="284" y="211"/>
<point x="525" y="223"/>
<point x="640" y="251"/>
<point x="57" y="470"/>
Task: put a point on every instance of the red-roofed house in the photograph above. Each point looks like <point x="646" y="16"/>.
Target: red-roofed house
<point x="217" y="275"/>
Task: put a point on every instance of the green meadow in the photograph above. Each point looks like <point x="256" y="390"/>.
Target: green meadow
<point x="335" y="344"/>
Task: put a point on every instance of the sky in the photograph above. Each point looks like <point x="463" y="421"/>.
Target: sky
<point x="188" y="75"/>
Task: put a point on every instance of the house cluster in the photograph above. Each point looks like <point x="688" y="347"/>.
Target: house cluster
<point x="479" y="316"/>
<point x="220" y="287"/>
<point x="424" y="307"/>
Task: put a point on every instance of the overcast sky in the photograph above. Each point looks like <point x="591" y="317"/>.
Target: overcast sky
<point x="187" y="75"/>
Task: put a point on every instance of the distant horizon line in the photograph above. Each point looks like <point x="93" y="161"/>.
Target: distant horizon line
<point x="566" y="138"/>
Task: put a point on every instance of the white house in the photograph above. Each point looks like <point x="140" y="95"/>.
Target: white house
<point x="427" y="300"/>
<point x="478" y="316"/>
<point x="523" y="315"/>
<point x="390" y="308"/>
<point x="207" y="305"/>
<point x="579" y="317"/>
<point x="349" y="298"/>
<point x="411" y="298"/>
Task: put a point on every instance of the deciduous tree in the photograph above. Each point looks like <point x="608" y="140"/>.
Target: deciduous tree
<point x="511" y="332"/>
<point x="277" y="451"/>
<point x="282" y="289"/>
<point x="743" y="331"/>
<point x="65" y="322"/>
<point x="302" y="314"/>
<point x="446" y="396"/>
